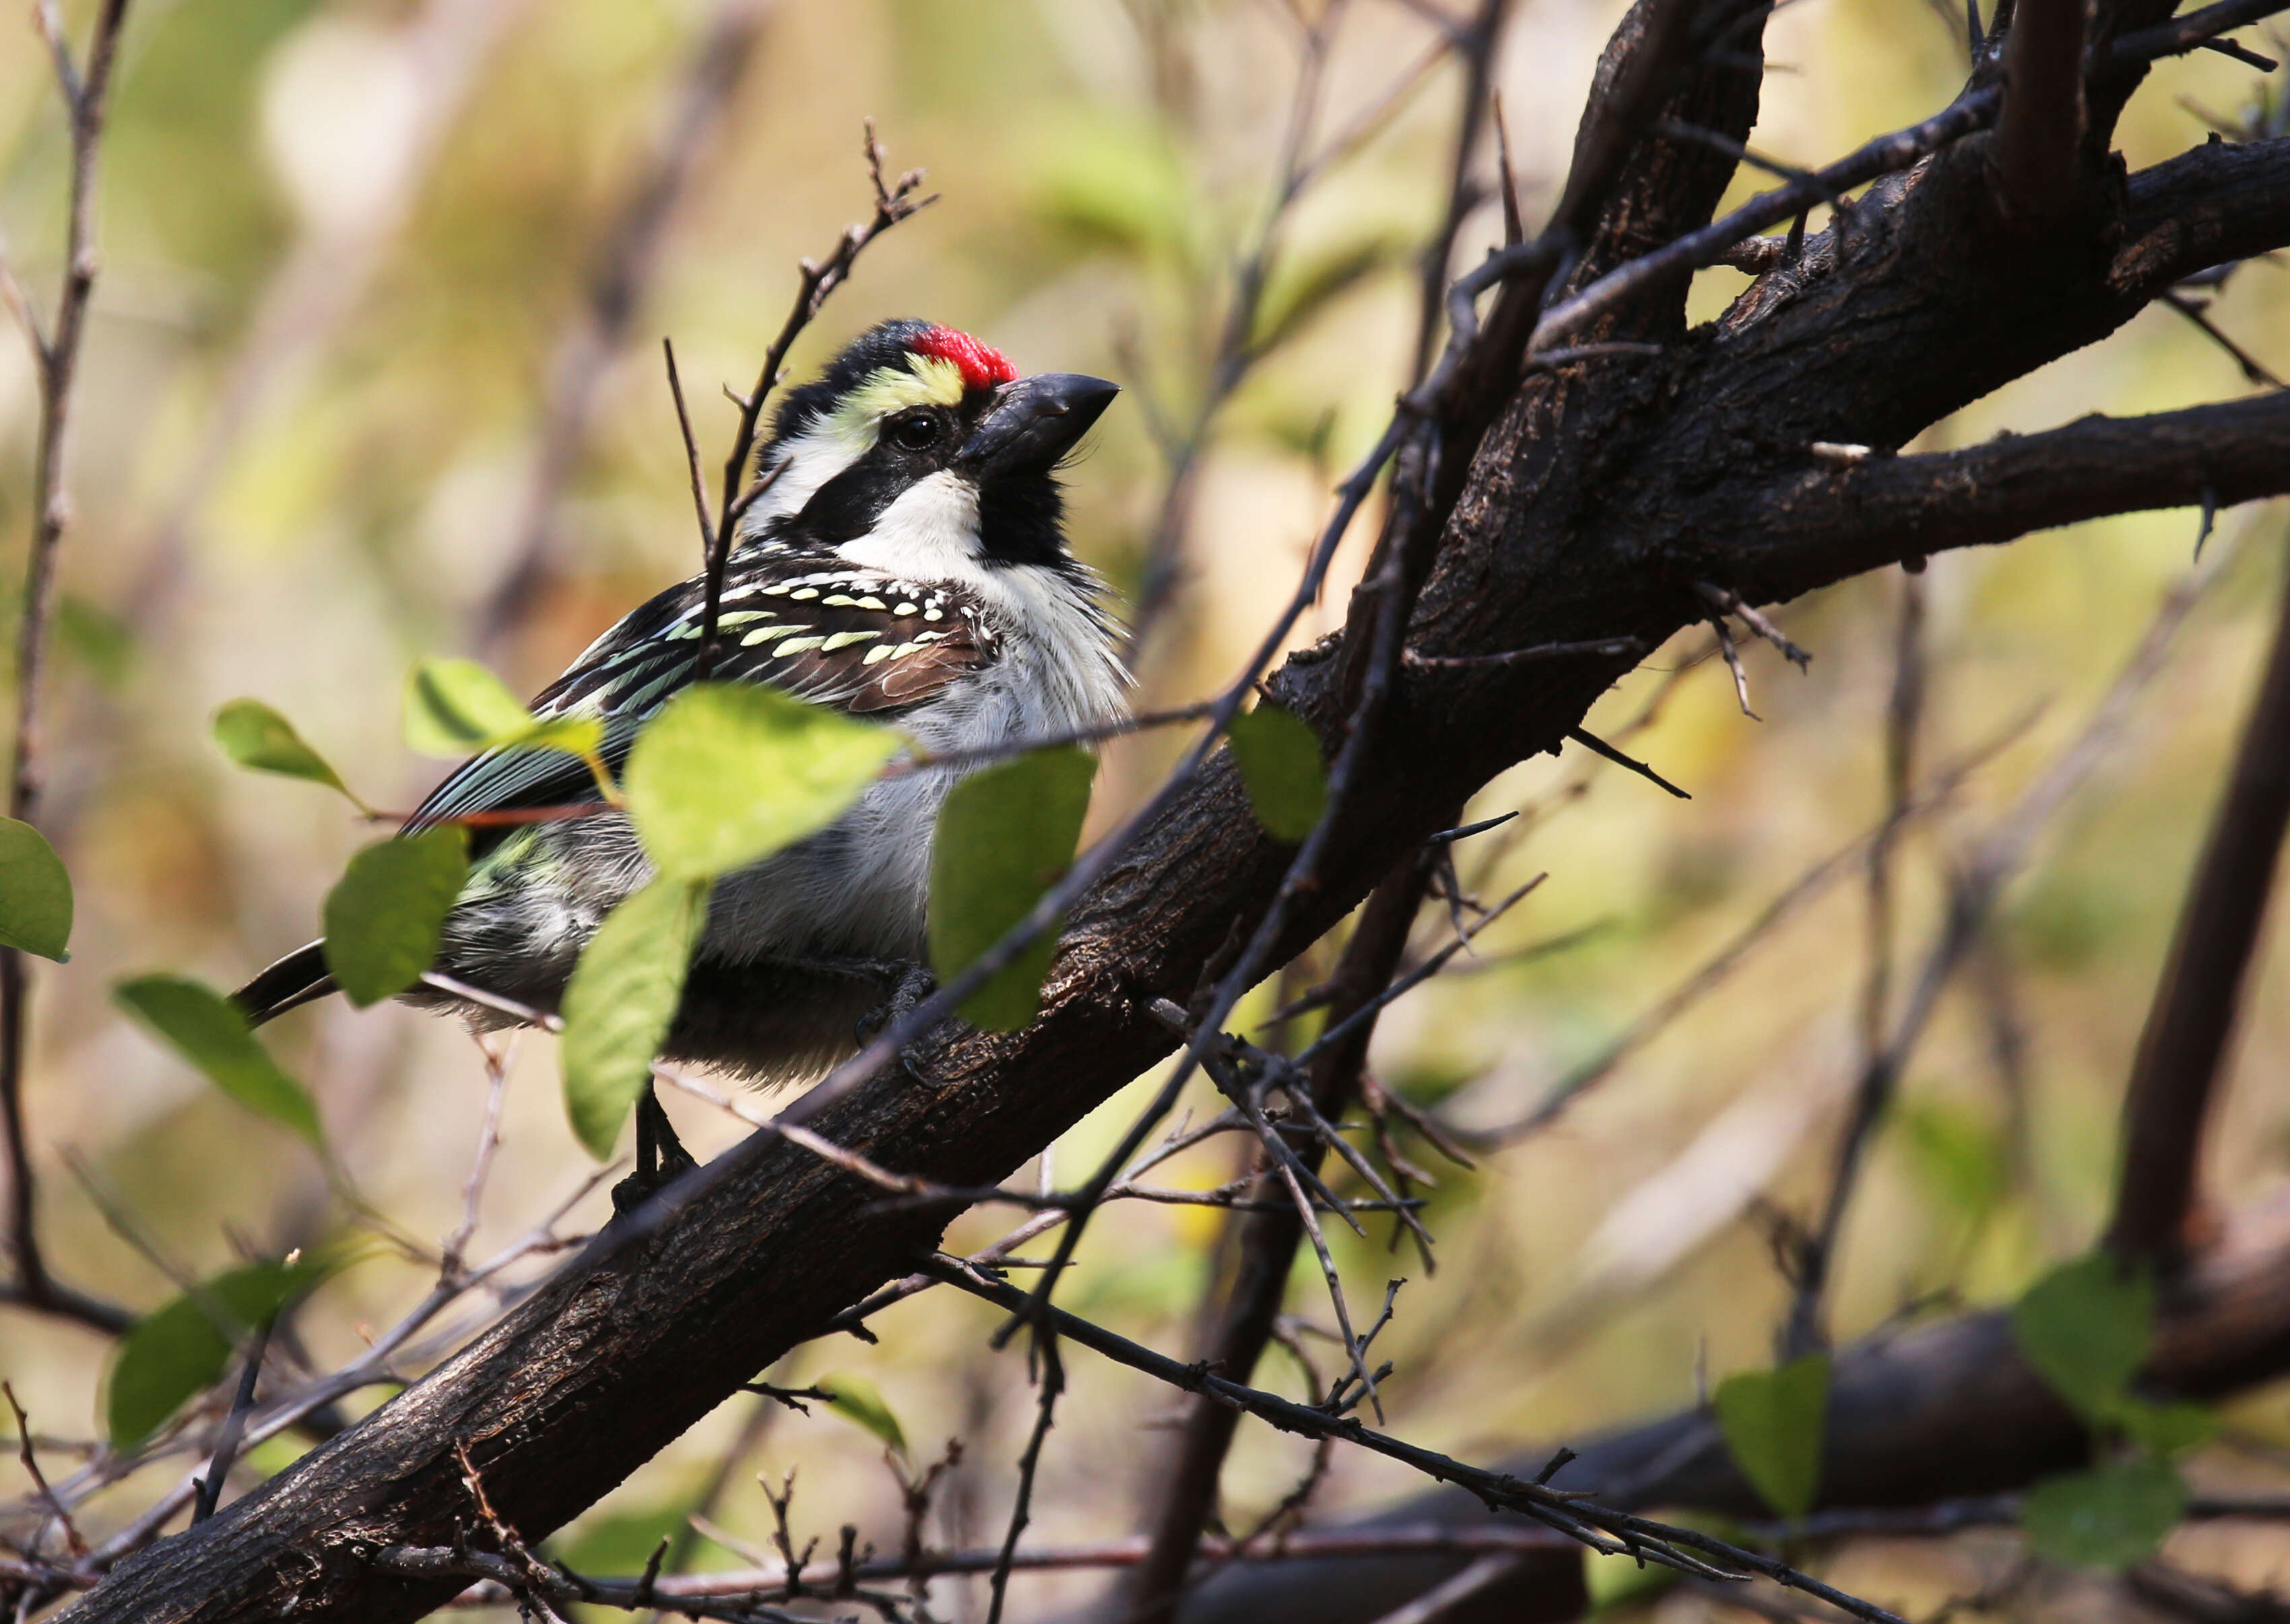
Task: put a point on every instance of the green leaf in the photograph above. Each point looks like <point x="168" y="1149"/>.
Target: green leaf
<point x="35" y="892"/>
<point x="210" y="1032"/>
<point x="1774" y="1422"/>
<point x="2109" y="1518"/>
<point x="1006" y="835"/>
<point x="454" y="706"/>
<point x="2086" y="1328"/>
<point x="180" y="1350"/>
<point x="1280" y="761"/>
<point x="621" y="1001"/>
<point x="729" y="773"/>
<point x="384" y="915"/>
<point x="2165" y="1429"/>
<point x="858" y="1401"/>
<point x="253" y="735"/>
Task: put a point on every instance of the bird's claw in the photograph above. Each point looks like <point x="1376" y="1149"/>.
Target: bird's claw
<point x="913" y="985"/>
<point x="662" y="1158"/>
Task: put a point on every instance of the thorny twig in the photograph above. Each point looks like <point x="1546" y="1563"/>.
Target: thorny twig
<point x="894" y="202"/>
<point x="1610" y="1532"/>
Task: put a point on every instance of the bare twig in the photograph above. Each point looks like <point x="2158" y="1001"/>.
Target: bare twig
<point x="894" y="202"/>
<point x="2253" y="369"/>
<point x="2184" y="1044"/>
<point x="1993" y="864"/>
<point x="30" y="1457"/>
<point x="1610" y="1532"/>
<point x="86" y="94"/>
<point x="1793" y="899"/>
<point x="1051" y="1375"/>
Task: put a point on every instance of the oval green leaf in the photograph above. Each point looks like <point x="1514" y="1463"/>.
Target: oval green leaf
<point x="454" y="706"/>
<point x="2109" y="1518"/>
<point x="2086" y="1327"/>
<point x="729" y="773"/>
<point x="621" y="1001"/>
<point x="384" y="915"/>
<point x="2167" y="1429"/>
<point x="1006" y="835"/>
<point x="1279" y="762"/>
<point x="178" y="1351"/>
<point x="861" y="1403"/>
<point x="1774" y="1422"/>
<point x="35" y="892"/>
<point x="257" y="737"/>
<point x="210" y="1032"/>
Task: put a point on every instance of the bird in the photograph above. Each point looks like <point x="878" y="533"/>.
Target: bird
<point x="906" y="561"/>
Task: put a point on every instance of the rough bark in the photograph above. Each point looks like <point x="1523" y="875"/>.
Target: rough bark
<point x="1601" y="493"/>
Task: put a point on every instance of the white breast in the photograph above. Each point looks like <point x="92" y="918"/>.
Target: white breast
<point x="860" y="889"/>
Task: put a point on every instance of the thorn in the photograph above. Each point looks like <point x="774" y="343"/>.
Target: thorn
<point x="1599" y="747"/>
<point x="1449" y="836"/>
<point x="1734" y="664"/>
<point x="2210" y="517"/>
<point x="1514" y="217"/>
<point x="1840" y="451"/>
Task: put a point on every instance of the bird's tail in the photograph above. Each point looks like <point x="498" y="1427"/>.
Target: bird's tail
<point x="292" y="982"/>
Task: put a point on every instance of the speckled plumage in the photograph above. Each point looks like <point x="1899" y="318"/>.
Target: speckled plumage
<point x="926" y="586"/>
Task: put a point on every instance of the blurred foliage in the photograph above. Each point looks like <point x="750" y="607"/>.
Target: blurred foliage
<point x="347" y="247"/>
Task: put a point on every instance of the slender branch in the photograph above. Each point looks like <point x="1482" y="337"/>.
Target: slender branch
<point x="1268" y="1251"/>
<point x="892" y="204"/>
<point x="2184" y="1046"/>
<point x="87" y="95"/>
<point x="1607" y="1532"/>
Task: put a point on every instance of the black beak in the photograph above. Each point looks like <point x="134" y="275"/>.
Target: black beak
<point x="1035" y="421"/>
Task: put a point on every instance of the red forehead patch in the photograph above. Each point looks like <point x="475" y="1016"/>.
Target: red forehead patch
<point x="982" y="365"/>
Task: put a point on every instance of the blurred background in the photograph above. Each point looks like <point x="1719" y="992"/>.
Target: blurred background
<point x="374" y="373"/>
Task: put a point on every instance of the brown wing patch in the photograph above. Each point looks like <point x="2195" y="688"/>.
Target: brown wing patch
<point x="866" y="644"/>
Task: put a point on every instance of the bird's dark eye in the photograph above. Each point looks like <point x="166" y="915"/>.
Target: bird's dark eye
<point x="917" y="432"/>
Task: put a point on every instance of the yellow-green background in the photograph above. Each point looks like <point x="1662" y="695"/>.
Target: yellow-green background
<point x="344" y="247"/>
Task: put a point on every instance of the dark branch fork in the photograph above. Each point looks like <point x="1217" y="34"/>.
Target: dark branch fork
<point x="662" y="1317"/>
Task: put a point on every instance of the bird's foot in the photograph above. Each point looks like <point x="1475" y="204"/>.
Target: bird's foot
<point x="660" y="1156"/>
<point x="910" y="985"/>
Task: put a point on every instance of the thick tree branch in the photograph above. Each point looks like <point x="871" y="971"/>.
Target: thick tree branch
<point x="2183" y="1048"/>
<point x="1885" y="509"/>
<point x="2039" y="128"/>
<point x="1588" y="513"/>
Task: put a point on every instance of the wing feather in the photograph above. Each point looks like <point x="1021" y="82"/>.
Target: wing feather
<point x="854" y="640"/>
